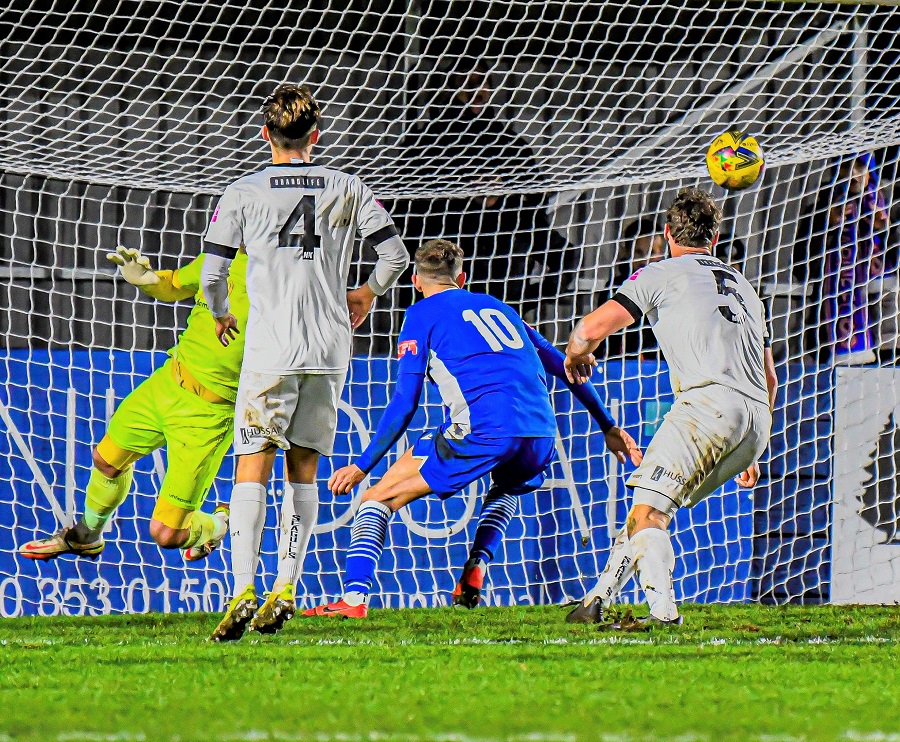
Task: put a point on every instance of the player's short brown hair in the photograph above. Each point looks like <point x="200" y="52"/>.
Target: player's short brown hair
<point x="693" y="218"/>
<point x="439" y="259"/>
<point x="291" y="116"/>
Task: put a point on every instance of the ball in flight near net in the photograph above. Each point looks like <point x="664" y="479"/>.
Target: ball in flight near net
<point x="735" y="160"/>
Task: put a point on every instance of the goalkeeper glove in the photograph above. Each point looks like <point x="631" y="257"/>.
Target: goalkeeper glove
<point x="134" y="266"/>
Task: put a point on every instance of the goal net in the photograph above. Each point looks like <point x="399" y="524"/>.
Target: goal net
<point x="546" y="138"/>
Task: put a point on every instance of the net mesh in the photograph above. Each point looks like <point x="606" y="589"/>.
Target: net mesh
<point x="546" y="139"/>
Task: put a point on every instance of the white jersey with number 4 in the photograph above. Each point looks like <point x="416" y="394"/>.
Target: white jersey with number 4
<point x="710" y="323"/>
<point x="298" y="223"/>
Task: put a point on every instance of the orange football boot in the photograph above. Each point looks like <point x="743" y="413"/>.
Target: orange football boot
<point x="339" y="609"/>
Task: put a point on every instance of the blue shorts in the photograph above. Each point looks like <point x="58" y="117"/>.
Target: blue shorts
<point x="516" y="465"/>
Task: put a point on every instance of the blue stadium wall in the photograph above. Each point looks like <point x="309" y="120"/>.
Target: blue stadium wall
<point x="770" y="545"/>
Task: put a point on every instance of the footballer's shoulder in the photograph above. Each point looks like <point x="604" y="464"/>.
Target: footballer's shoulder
<point x="486" y="301"/>
<point x="336" y="175"/>
<point x="247" y="182"/>
<point x="634" y="276"/>
<point x="434" y="307"/>
<point x="414" y="311"/>
<point x="420" y="315"/>
<point x="657" y="267"/>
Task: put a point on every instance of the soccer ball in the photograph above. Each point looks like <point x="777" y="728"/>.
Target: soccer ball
<point x="734" y="160"/>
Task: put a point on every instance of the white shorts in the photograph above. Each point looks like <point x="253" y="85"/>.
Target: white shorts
<point x="710" y="435"/>
<point x="299" y="409"/>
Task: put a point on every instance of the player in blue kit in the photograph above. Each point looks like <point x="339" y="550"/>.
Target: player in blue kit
<point x="489" y="368"/>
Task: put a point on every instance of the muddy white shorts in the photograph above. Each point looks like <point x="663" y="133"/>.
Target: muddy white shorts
<point x="299" y="409"/>
<point x="710" y="435"/>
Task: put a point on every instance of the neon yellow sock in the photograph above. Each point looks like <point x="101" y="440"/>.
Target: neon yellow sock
<point x="104" y="495"/>
<point x="203" y="528"/>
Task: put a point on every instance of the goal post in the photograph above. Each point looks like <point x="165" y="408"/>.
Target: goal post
<point x="546" y="138"/>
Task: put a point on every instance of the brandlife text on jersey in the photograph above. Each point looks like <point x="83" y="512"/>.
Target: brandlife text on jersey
<point x="297" y="181"/>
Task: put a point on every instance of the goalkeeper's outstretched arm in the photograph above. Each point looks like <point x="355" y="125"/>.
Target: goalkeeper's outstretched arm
<point x="160" y="285"/>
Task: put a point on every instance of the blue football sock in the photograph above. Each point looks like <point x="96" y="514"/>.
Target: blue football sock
<point x="496" y="513"/>
<point x="366" y="544"/>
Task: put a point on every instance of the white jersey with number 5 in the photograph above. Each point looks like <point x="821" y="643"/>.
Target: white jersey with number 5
<point x="710" y="323"/>
<point x="298" y="223"/>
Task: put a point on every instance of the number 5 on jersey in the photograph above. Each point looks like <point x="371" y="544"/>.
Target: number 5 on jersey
<point x="495" y="327"/>
<point x="725" y="290"/>
<point x="306" y="237"/>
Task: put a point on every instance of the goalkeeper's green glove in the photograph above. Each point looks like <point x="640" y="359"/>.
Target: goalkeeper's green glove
<point x="134" y="266"/>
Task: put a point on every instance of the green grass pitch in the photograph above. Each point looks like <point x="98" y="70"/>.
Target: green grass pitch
<point x="730" y="673"/>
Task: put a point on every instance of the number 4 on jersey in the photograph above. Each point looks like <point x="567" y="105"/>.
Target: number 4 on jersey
<point x="306" y="237"/>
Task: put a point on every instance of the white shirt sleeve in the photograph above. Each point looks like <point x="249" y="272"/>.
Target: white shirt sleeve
<point x="214" y="280"/>
<point x="377" y="229"/>
<point x="643" y="291"/>
<point x="225" y="233"/>
<point x="223" y="238"/>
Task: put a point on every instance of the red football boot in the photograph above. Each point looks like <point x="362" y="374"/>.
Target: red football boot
<point x="340" y="609"/>
<point x="467" y="592"/>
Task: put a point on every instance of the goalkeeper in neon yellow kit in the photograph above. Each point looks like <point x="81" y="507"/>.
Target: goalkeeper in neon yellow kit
<point x="187" y="405"/>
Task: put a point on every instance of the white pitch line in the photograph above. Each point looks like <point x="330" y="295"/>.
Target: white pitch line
<point x="259" y="735"/>
<point x="613" y="640"/>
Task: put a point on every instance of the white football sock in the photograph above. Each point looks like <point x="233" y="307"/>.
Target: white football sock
<point x="299" y="513"/>
<point x="248" y="516"/>
<point x="355" y="598"/>
<point x="619" y="568"/>
<point x="654" y="561"/>
<point x="285" y="520"/>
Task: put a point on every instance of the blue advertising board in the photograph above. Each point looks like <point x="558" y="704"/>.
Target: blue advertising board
<point x="54" y="406"/>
